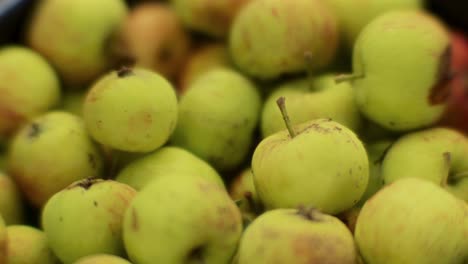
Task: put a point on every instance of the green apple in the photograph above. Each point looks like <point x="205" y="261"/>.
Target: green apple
<point x="217" y="118"/>
<point x="102" y="259"/>
<point x="376" y="152"/>
<point x="310" y="99"/>
<point x="26" y="244"/>
<point x="51" y="152"/>
<point x="3" y="241"/>
<point x="194" y="221"/>
<point x="390" y="46"/>
<point x="271" y="37"/>
<point x="318" y="163"/>
<point x="242" y="190"/>
<point x="297" y="236"/>
<point x="213" y="18"/>
<point x="76" y="36"/>
<point x="11" y="203"/>
<point x="354" y="15"/>
<point x="164" y="161"/>
<point x="412" y="221"/>
<point x="437" y="154"/>
<point x="202" y="60"/>
<point x="133" y="110"/>
<point x="29" y="88"/>
<point x="155" y="37"/>
<point x="86" y="218"/>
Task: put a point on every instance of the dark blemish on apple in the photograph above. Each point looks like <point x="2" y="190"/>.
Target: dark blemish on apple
<point x="34" y="130"/>
<point x="274" y="12"/>
<point x="196" y="255"/>
<point x="95" y="204"/>
<point x="61" y="219"/>
<point x="134" y="224"/>
<point x="166" y="54"/>
<point x="337" y="128"/>
<point x="86" y="183"/>
<point x="440" y="92"/>
<point x="350" y="171"/>
<point x="124" y="71"/>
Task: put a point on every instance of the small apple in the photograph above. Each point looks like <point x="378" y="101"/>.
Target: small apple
<point x="194" y="221"/>
<point x="242" y="190"/>
<point x="154" y="37"/>
<point x="270" y="38"/>
<point x="391" y="45"/>
<point x="76" y="36"/>
<point x="29" y="87"/>
<point x="163" y="161"/>
<point x="86" y="218"/>
<point x="217" y="118"/>
<point x="297" y="236"/>
<point x="437" y="154"/>
<point x="51" y="152"/>
<point x="412" y="221"/>
<point x="27" y="244"/>
<point x="309" y="99"/>
<point x="11" y="202"/>
<point x="319" y="163"/>
<point x="133" y="110"/>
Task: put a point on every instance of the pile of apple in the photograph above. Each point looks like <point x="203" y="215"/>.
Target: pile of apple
<point x="235" y="131"/>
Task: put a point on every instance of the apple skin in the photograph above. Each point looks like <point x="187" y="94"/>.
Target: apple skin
<point x="309" y="99"/>
<point x="285" y="236"/>
<point x="102" y="259"/>
<point x="194" y="219"/>
<point x="30" y="87"/>
<point x="51" y="152"/>
<point x="439" y="155"/>
<point x="11" y="202"/>
<point x="286" y="29"/>
<point x="26" y="244"/>
<point x="91" y="211"/>
<point x="132" y="110"/>
<point x="396" y="42"/>
<point x="166" y="160"/>
<point x="354" y="15"/>
<point x="426" y="226"/>
<point x="153" y="35"/>
<point x="217" y="118"/>
<point x="213" y="18"/>
<point x="302" y="171"/>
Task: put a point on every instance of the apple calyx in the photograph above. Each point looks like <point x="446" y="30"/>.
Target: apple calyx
<point x="281" y="102"/>
<point x="347" y="77"/>
<point x="85" y="183"/>
<point x="310" y="213"/>
<point x="124" y="71"/>
<point x="34" y="130"/>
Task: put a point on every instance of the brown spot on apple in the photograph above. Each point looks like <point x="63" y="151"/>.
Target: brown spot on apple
<point x="135" y="225"/>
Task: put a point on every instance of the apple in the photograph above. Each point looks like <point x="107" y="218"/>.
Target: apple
<point x="166" y="160"/>
<point x="390" y="46"/>
<point x="154" y="37"/>
<point x="270" y="38"/>
<point x="194" y="221"/>
<point x="51" y="152"/>
<point x="437" y="154"/>
<point x="309" y="165"/>
<point x="27" y="244"/>
<point x="30" y="87"/>
<point x="86" y="218"/>
<point x="311" y="98"/>
<point x="133" y="110"/>
<point x="102" y="259"/>
<point x="11" y="202"/>
<point x="217" y="118"/>
<point x="242" y="191"/>
<point x="76" y="36"/>
<point x="297" y="236"/>
<point x="412" y="221"/>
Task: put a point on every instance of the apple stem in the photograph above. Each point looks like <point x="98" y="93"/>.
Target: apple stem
<point x="281" y="102"/>
<point x="448" y="160"/>
<point x="124" y="71"/>
<point x="347" y="77"/>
